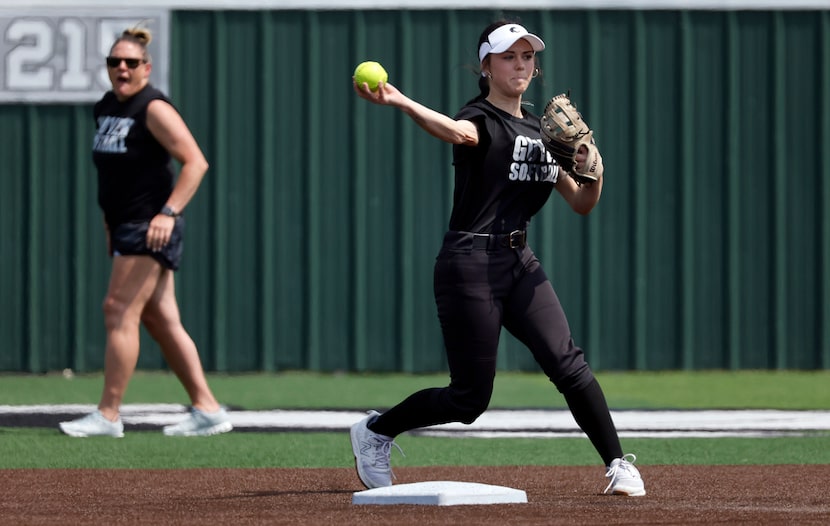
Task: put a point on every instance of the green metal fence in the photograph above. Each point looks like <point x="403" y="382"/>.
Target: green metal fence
<point x="311" y="243"/>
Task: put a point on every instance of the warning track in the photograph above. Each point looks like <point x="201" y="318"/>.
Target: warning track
<point x="493" y="423"/>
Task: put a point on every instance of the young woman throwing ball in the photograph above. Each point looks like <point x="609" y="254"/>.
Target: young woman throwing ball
<point x="486" y="276"/>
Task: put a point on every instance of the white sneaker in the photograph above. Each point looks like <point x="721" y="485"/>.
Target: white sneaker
<point x="371" y="453"/>
<point x="93" y="425"/>
<point x="625" y="478"/>
<point x="200" y="424"/>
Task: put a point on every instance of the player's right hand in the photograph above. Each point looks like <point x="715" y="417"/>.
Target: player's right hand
<point x="386" y="94"/>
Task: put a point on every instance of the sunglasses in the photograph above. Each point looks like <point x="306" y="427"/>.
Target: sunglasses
<point x="132" y="63"/>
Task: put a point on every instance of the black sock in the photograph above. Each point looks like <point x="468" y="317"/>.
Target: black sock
<point x="423" y="408"/>
<point x="590" y="410"/>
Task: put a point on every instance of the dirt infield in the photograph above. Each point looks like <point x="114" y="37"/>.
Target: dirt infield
<point x="556" y="495"/>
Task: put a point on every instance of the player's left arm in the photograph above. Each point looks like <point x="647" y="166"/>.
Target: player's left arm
<point x="581" y="198"/>
<point x="170" y="130"/>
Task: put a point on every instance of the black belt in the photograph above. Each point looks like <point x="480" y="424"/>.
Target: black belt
<point x="515" y="239"/>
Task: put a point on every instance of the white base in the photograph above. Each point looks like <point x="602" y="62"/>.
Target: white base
<point x="440" y="493"/>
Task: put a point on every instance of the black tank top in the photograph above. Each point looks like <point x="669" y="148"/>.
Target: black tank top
<point x="135" y="173"/>
<point x="506" y="178"/>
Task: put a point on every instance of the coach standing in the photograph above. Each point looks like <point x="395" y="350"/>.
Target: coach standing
<point x="139" y="132"/>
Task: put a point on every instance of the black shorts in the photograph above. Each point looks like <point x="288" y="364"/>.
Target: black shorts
<point x="130" y="239"/>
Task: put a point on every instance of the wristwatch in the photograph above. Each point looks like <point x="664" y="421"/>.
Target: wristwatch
<point x="168" y="211"/>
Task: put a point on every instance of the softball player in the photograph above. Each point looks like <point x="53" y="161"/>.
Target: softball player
<point x="486" y="276"/>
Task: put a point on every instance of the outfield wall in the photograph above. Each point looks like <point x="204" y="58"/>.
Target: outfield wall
<point x="311" y="243"/>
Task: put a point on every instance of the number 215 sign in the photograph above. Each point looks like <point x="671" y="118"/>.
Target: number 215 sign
<point x="58" y="56"/>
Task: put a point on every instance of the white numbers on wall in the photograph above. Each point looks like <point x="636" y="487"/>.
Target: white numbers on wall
<point x="32" y="44"/>
<point x="76" y="76"/>
<point x="59" y="57"/>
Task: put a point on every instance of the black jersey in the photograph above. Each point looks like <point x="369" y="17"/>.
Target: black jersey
<point x="135" y="172"/>
<point x="506" y="178"/>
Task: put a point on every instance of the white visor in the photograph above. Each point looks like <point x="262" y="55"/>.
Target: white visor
<point x="505" y="36"/>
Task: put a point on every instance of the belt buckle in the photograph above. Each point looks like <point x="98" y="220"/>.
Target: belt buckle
<point x="516" y="239"/>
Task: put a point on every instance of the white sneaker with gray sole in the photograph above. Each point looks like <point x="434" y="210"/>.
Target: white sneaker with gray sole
<point x="625" y="478"/>
<point x="200" y="423"/>
<point x="93" y="425"/>
<point x="371" y="453"/>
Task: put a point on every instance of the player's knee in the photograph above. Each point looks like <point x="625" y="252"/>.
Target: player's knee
<point x="576" y="381"/>
<point x="114" y="309"/>
<point x="470" y="404"/>
<point x="470" y="415"/>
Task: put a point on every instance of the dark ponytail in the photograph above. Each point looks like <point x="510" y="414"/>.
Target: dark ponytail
<point x="483" y="88"/>
<point x="484" y="82"/>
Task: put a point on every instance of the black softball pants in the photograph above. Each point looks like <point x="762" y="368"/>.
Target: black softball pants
<point x="480" y="288"/>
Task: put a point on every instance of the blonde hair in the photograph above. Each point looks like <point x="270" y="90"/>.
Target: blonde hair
<point x="140" y="36"/>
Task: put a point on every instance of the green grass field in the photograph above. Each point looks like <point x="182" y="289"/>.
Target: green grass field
<point x="301" y="390"/>
<point x="47" y="448"/>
